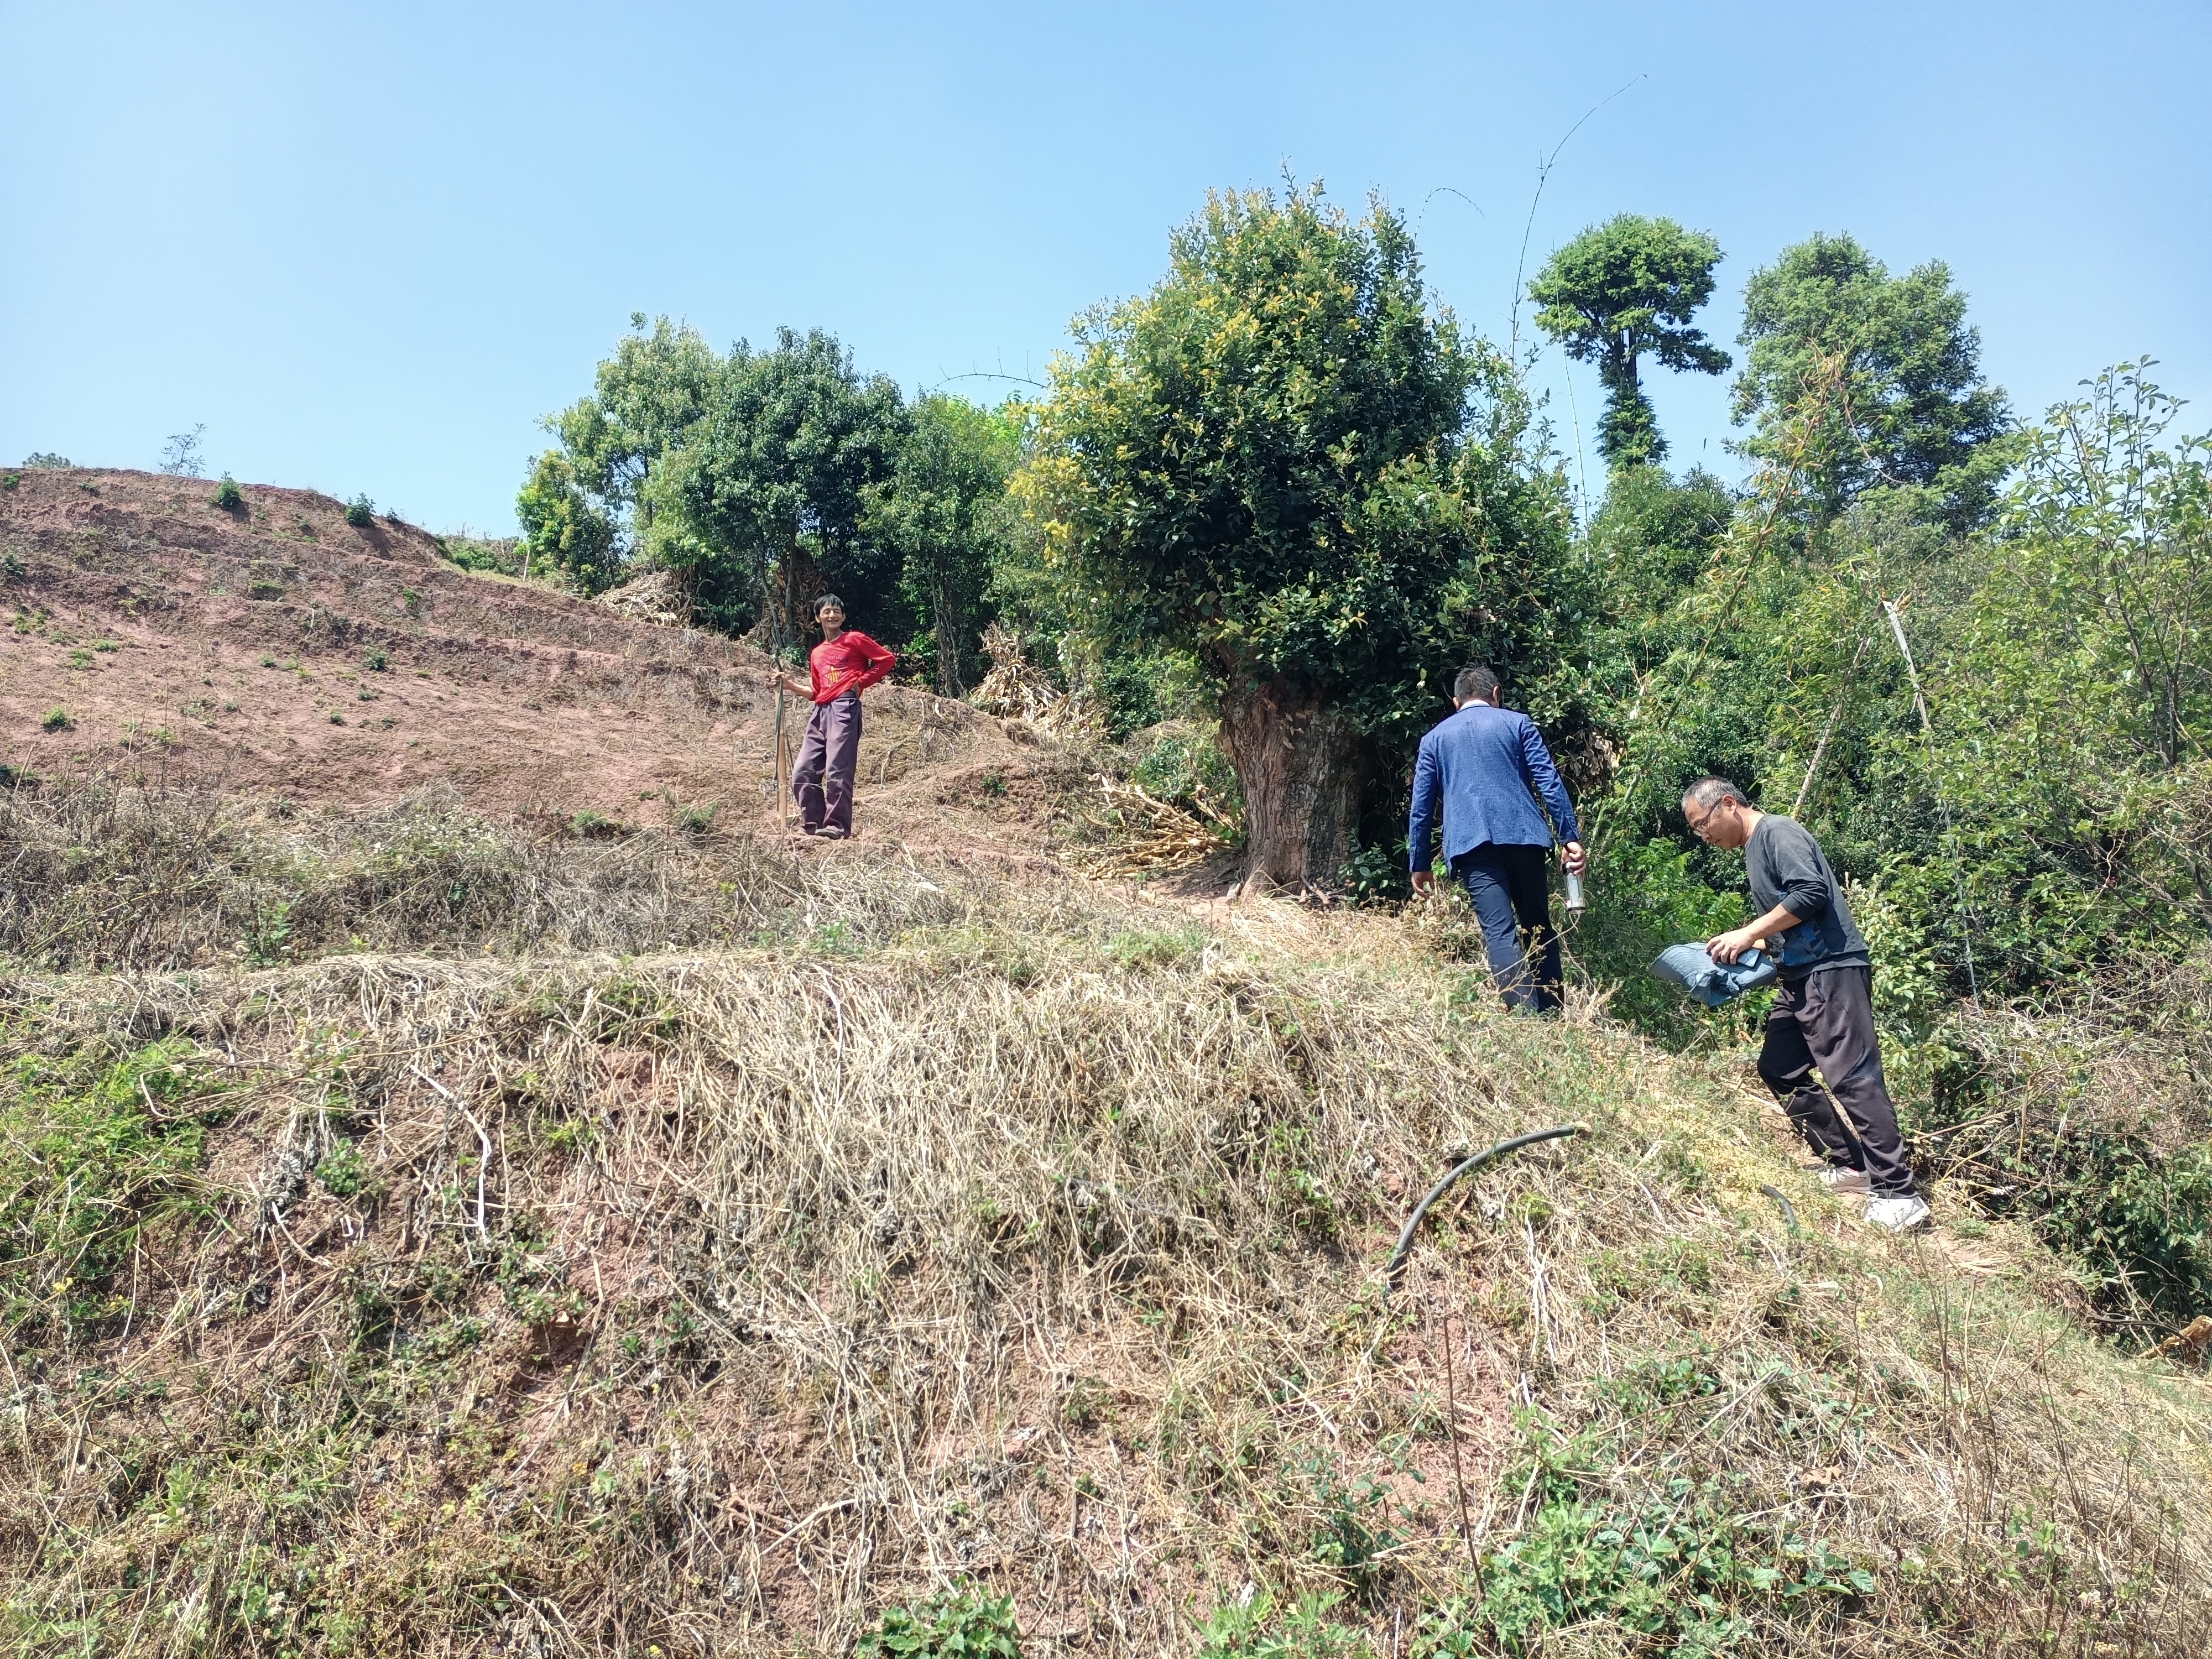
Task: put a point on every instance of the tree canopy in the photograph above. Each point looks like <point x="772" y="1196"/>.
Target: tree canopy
<point x="1285" y="460"/>
<point x="1912" y="409"/>
<point x="941" y="514"/>
<point x="586" y="504"/>
<point x="564" y="528"/>
<point x="774" y="483"/>
<point x="1620" y="291"/>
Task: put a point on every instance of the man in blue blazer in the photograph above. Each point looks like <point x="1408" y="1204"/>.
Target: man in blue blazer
<point x="1489" y="767"/>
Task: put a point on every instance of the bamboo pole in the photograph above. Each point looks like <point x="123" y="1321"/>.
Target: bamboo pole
<point x="782" y="793"/>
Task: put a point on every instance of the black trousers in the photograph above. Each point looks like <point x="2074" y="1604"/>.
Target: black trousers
<point x="1826" y="1019"/>
<point x="1512" y="893"/>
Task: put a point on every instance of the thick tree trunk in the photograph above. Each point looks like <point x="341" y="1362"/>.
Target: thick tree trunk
<point x="1301" y="765"/>
<point x="945" y="622"/>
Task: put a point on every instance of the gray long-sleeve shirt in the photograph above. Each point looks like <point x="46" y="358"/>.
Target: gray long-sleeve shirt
<point x="1787" y="868"/>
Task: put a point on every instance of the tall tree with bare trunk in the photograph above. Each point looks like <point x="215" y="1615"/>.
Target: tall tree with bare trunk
<point x="1286" y="459"/>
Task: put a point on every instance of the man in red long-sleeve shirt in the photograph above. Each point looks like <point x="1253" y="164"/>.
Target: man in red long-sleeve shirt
<point x="847" y="663"/>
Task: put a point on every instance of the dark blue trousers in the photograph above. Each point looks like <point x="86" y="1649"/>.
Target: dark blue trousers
<point x="1512" y="892"/>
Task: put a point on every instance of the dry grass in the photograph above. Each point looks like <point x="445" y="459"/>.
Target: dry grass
<point x="1007" y="1233"/>
<point x="116" y="874"/>
<point x="1124" y="833"/>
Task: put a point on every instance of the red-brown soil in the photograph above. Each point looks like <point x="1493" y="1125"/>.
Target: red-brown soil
<point x="237" y="645"/>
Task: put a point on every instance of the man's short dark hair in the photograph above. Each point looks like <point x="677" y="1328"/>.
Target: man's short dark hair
<point x="827" y="602"/>
<point x="1474" y="684"/>
<point x="1710" y="793"/>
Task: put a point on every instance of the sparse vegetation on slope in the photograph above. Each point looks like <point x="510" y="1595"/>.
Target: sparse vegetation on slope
<point x="943" y="1238"/>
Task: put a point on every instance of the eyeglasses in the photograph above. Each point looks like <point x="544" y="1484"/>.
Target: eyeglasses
<point x="1697" y="824"/>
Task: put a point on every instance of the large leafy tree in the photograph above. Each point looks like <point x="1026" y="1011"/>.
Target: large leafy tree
<point x="2073" y="689"/>
<point x="1284" y="461"/>
<point x="564" y="528"/>
<point x="585" y="505"/>
<point x="941" y="514"/>
<point x="772" y="484"/>
<point x="645" y="400"/>
<point x="1894" y="370"/>
<point x="1622" y="291"/>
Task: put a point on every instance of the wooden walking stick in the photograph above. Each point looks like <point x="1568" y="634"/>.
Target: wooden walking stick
<point x="782" y="793"/>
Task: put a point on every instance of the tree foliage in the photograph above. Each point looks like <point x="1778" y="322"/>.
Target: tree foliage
<point x="586" y="506"/>
<point x="1284" y="460"/>
<point x="1915" y="412"/>
<point x="645" y="400"/>
<point x="942" y="514"/>
<point x="1618" y="292"/>
<point x="773" y="485"/>
<point x="565" y="528"/>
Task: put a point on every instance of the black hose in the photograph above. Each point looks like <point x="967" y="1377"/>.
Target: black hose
<point x="1487" y="1154"/>
<point x="1788" y="1210"/>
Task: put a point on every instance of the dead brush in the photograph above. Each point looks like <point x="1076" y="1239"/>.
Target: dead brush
<point x="714" y="1300"/>
<point x="1123" y="833"/>
<point x="108" y="873"/>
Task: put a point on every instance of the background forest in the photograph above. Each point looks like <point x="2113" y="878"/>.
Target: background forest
<point x="1288" y="493"/>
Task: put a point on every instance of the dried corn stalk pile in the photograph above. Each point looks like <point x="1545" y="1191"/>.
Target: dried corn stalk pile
<point x="1016" y="688"/>
<point x="1143" y="835"/>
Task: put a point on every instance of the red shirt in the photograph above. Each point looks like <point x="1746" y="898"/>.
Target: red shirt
<point x="850" y="663"/>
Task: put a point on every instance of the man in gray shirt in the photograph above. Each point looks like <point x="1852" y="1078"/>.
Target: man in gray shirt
<point x="1824" y="1012"/>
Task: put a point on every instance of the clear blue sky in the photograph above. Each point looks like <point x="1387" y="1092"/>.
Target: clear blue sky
<point x="369" y="245"/>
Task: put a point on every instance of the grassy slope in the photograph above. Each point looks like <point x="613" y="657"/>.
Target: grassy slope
<point x="913" y="1224"/>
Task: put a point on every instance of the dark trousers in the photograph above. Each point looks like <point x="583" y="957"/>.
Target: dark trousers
<point x="822" y="777"/>
<point x="1512" y="893"/>
<point x="1826" y="1019"/>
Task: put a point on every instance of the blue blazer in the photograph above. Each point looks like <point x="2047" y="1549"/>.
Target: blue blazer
<point x="1488" y="766"/>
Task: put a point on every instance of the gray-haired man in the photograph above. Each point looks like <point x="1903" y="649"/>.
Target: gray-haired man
<point x="1824" y="1012"/>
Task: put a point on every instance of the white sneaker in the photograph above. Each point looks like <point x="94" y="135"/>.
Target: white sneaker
<point x="1845" y="1183"/>
<point x="1899" y="1215"/>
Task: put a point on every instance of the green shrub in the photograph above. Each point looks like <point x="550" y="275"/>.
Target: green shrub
<point x="1185" y="763"/>
<point x="502" y="555"/>
<point x="696" y="819"/>
<point x="344" y="1172"/>
<point x="1353" y="1539"/>
<point x="1378" y="874"/>
<point x="11" y="481"/>
<point x="360" y="512"/>
<point x="1152" y="947"/>
<point x="10" y="567"/>
<point x="376" y="662"/>
<point x="264" y="590"/>
<point x="1644" y="897"/>
<point x="59" y="720"/>
<point x="1689" y="1567"/>
<point x="967" y="1623"/>
<point x="1253" y="1630"/>
<point x="1136" y="691"/>
<point x="269" y="935"/>
<point x="2137" y="1217"/>
<point x="115" y="1139"/>
<point x="228" y="496"/>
